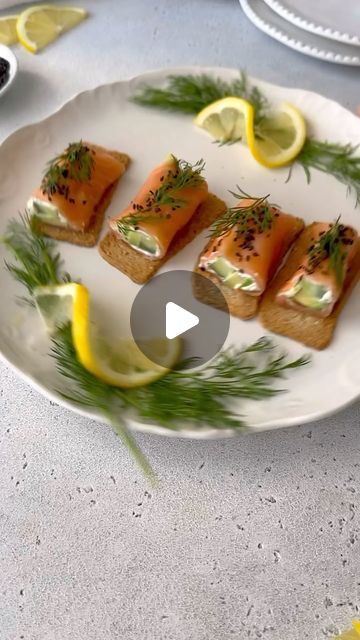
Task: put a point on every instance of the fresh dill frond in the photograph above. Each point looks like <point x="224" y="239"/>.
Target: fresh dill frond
<point x="183" y="175"/>
<point x="331" y="245"/>
<point x="256" y="215"/>
<point x="37" y="263"/>
<point x="191" y="93"/>
<point x="75" y="163"/>
<point x="338" y="160"/>
<point x="182" y="397"/>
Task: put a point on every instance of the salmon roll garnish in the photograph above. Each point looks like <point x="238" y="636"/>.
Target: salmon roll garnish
<point x="74" y="185"/>
<point x="317" y="283"/>
<point x="248" y="244"/>
<point x="166" y="202"/>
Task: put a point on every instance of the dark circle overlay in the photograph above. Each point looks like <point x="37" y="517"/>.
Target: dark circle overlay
<point x="188" y="290"/>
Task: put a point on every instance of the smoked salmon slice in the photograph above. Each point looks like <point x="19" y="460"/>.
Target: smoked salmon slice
<point x="250" y="250"/>
<point x="165" y="203"/>
<point x="317" y="283"/>
<point x="76" y="198"/>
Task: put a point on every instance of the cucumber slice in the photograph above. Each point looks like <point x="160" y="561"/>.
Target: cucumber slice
<point x="222" y="268"/>
<point x="46" y="212"/>
<point x="143" y="242"/>
<point x="312" y="295"/>
<point x="230" y="276"/>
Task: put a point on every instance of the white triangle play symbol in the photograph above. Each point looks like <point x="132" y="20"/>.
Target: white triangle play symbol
<point x="178" y="320"/>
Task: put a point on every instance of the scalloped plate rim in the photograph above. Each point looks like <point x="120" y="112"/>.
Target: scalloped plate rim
<point x="325" y="32"/>
<point x="279" y="35"/>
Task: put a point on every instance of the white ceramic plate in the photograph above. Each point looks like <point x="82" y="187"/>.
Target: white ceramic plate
<point x="275" y="26"/>
<point x="8" y="55"/>
<point x="105" y="116"/>
<point x="328" y="18"/>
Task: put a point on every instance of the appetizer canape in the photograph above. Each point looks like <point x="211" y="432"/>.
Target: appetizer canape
<point x="308" y="294"/>
<point x="246" y="247"/>
<point x="75" y="192"/>
<point x="170" y="209"/>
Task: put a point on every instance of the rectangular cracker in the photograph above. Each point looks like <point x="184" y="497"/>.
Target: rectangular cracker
<point x="314" y="332"/>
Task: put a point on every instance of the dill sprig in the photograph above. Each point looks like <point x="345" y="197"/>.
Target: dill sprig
<point x="182" y="397"/>
<point x="338" y="160"/>
<point x="181" y="176"/>
<point x="330" y="246"/>
<point x="257" y="214"/>
<point x="191" y="93"/>
<point x="75" y="163"/>
<point x="37" y="261"/>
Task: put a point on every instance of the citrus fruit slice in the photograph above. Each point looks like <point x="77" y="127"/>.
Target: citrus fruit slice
<point x="227" y="120"/>
<point x="275" y="141"/>
<point x="39" y="25"/>
<point x="117" y="362"/>
<point x="8" y="34"/>
<point x="278" y="138"/>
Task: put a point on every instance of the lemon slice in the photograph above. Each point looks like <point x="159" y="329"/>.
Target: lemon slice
<point x="351" y="634"/>
<point x="279" y="138"/>
<point x="227" y="120"/>
<point x="38" y="26"/>
<point x="274" y="142"/>
<point x="8" y="34"/>
<point x="119" y="363"/>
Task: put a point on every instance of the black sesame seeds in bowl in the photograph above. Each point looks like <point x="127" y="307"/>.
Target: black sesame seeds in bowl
<point x="8" y="68"/>
<point x="4" y="72"/>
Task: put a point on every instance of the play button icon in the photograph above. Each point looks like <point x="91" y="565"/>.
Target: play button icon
<point x="166" y="307"/>
<point x="178" y="320"/>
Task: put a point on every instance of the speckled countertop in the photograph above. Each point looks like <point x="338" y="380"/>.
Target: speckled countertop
<point x="256" y="537"/>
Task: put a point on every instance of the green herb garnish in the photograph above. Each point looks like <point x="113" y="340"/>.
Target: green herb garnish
<point x="256" y="215"/>
<point x="38" y="262"/>
<point x="191" y="93"/>
<point x="180" y="177"/>
<point x="330" y="246"/>
<point x="181" y="398"/>
<point x="76" y="163"/>
<point x="339" y="160"/>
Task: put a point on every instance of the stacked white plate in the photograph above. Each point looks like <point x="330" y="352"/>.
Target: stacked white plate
<point x="325" y="29"/>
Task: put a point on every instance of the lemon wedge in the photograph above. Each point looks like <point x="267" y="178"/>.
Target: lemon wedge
<point x="39" y="25"/>
<point x="351" y="634"/>
<point x="8" y="34"/>
<point x="274" y="142"/>
<point x="120" y="362"/>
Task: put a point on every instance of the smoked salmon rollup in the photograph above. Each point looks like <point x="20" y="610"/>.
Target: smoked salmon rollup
<point x="317" y="283"/>
<point x="74" y="185"/>
<point x="165" y="203"/>
<point x="248" y="244"/>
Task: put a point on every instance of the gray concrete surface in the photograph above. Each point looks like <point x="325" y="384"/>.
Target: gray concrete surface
<point x="252" y="538"/>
